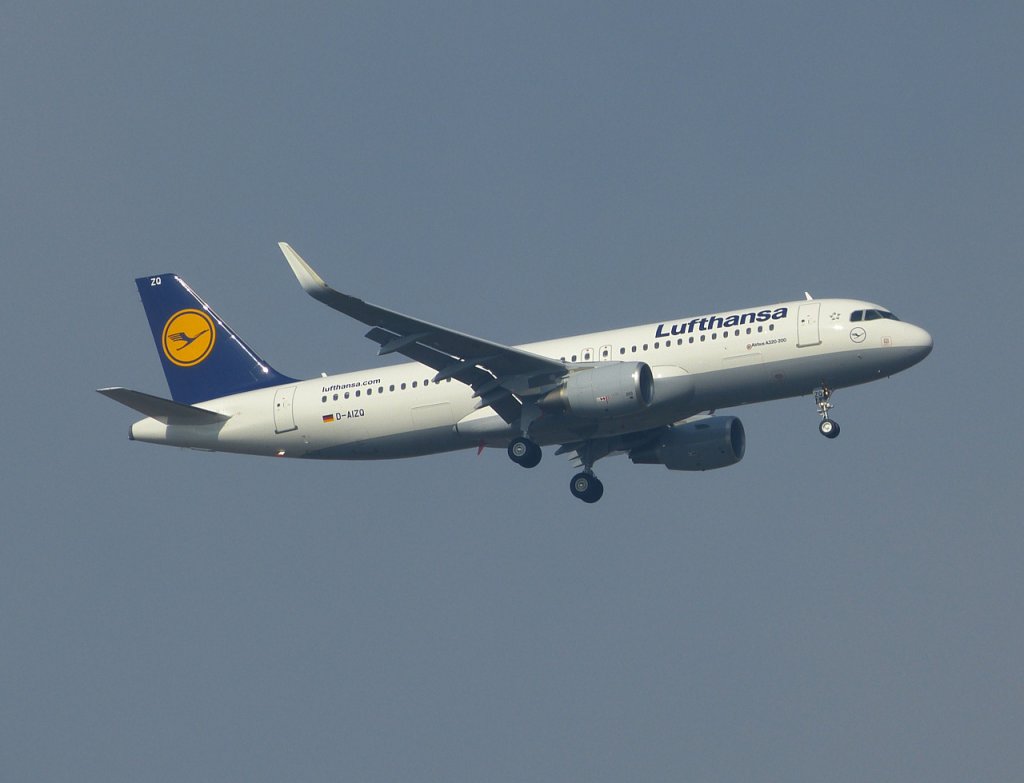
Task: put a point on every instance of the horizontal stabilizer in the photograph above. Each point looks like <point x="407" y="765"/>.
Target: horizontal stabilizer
<point x="167" y="411"/>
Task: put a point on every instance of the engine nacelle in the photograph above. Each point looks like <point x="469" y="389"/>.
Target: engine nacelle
<point x="702" y="444"/>
<point x="608" y="390"/>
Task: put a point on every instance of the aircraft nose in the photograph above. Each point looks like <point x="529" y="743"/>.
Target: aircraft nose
<point x="921" y="340"/>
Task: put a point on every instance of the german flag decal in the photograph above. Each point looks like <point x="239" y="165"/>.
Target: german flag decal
<point x="328" y="418"/>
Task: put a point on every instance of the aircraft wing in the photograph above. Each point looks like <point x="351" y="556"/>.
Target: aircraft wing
<point x="500" y="375"/>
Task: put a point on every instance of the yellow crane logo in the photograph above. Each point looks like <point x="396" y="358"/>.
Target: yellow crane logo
<point x="189" y="336"/>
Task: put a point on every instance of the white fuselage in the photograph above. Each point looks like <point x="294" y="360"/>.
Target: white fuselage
<point x="699" y="364"/>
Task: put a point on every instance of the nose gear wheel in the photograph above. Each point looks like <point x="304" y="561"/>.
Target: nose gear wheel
<point x="828" y="426"/>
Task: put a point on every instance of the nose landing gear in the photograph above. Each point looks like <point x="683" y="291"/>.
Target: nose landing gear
<point x="828" y="426"/>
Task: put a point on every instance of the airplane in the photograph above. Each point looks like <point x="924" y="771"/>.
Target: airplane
<point x="650" y="392"/>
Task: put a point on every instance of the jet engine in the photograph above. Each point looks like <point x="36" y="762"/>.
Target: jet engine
<point x="609" y="390"/>
<point x="699" y="444"/>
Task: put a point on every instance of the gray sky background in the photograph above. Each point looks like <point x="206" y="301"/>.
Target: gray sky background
<point x="841" y="611"/>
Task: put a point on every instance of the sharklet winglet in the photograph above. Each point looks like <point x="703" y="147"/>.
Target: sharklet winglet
<point x="310" y="281"/>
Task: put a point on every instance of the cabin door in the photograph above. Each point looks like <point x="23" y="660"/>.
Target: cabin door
<point x="807" y="326"/>
<point x="284" y="415"/>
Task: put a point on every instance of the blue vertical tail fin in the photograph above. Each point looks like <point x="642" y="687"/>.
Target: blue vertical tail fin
<point x="202" y="357"/>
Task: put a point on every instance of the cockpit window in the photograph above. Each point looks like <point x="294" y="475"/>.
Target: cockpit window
<point x="874" y="315"/>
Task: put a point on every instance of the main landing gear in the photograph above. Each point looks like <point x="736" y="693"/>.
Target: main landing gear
<point x="586" y="486"/>
<point x="524" y="452"/>
<point x="828" y="427"/>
